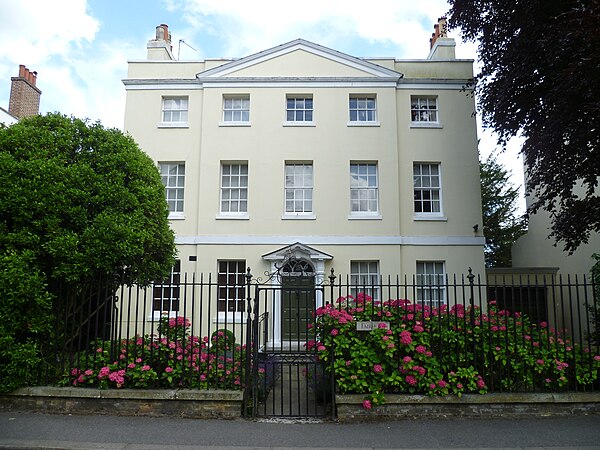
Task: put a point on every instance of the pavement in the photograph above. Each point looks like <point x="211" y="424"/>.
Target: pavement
<point x="26" y="430"/>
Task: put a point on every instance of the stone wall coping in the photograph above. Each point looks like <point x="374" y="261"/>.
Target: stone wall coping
<point x="134" y="394"/>
<point x="493" y="398"/>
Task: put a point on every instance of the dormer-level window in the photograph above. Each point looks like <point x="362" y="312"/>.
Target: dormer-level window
<point x="175" y="110"/>
<point x="424" y="109"/>
<point x="236" y="109"/>
<point x="363" y="109"/>
<point x="299" y="108"/>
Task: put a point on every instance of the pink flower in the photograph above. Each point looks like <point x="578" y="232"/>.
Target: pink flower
<point x="480" y="384"/>
<point x="321" y="348"/>
<point x="391" y="345"/>
<point x="407" y="359"/>
<point x="377" y="368"/>
<point x="99" y="350"/>
<point x="145" y="368"/>
<point x="420" y="349"/>
<point x="261" y="370"/>
<point x="103" y="372"/>
<point x="442" y="384"/>
<point x="367" y="404"/>
<point x="334" y="332"/>
<point x="459" y="385"/>
<point x="382" y="325"/>
<point x="432" y="386"/>
<point x="88" y="372"/>
<point x="418" y="329"/>
<point x="138" y="360"/>
<point x="597" y="358"/>
<point x="420" y="370"/>
<point x="348" y="363"/>
<point x="405" y="337"/>
<point x="75" y="371"/>
<point x="131" y="366"/>
<point x="168" y="369"/>
<point x="411" y="380"/>
<point x="540" y="362"/>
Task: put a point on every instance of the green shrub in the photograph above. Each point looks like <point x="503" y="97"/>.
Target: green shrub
<point x="25" y="322"/>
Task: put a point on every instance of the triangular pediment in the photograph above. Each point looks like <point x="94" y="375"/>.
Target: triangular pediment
<point x="299" y="59"/>
<point x="296" y="250"/>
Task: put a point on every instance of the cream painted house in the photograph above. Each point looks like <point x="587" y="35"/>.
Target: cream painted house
<point x="367" y="166"/>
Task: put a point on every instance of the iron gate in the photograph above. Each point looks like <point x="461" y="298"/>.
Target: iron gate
<point x="288" y="380"/>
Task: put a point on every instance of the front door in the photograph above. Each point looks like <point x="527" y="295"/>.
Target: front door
<point x="298" y="301"/>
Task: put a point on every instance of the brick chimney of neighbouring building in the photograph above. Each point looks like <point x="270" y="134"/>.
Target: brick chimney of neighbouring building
<point x="24" y="95"/>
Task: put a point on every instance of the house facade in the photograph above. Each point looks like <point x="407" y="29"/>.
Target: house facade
<point x="303" y="153"/>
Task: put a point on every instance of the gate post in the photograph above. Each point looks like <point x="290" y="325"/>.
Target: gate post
<point x="248" y="376"/>
<point x="332" y="355"/>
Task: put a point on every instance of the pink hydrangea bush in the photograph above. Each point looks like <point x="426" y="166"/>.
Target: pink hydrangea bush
<point x="441" y="351"/>
<point x="173" y="358"/>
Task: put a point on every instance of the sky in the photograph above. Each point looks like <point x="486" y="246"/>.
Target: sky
<point x="80" y="48"/>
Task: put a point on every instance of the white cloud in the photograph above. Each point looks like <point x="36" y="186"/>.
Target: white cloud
<point x="39" y="30"/>
<point x="246" y="27"/>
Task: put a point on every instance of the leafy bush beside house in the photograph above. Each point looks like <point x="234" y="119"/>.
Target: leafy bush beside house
<point x="79" y="203"/>
<point x="439" y="351"/>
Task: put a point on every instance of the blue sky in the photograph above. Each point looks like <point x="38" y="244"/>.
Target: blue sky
<point x="80" y="48"/>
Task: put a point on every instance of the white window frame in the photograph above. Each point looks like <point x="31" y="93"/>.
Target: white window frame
<point x="424" y="111"/>
<point x="233" y="190"/>
<point x="296" y="104"/>
<point x="236" y="110"/>
<point x="364" y="185"/>
<point x="231" y="289"/>
<point x="298" y="190"/>
<point x="177" y="107"/>
<point x="424" y="186"/>
<point x="430" y="283"/>
<point x="365" y="277"/>
<point x="362" y="110"/>
<point x="174" y="183"/>
<point x="170" y="292"/>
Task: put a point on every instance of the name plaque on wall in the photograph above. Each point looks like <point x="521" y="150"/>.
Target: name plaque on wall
<point x="370" y="325"/>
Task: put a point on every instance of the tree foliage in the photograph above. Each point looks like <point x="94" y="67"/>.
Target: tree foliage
<point x="539" y="79"/>
<point x="85" y="200"/>
<point x="502" y="223"/>
<point x="78" y="203"/>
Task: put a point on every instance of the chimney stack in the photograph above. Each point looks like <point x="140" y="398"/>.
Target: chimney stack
<point x="440" y="45"/>
<point x="441" y="31"/>
<point x="24" y="95"/>
<point x="160" y="47"/>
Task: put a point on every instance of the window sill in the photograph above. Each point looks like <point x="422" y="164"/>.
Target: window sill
<point x="298" y="216"/>
<point x="173" y="125"/>
<point x="299" y="124"/>
<point x="176" y="216"/>
<point x="363" y="124"/>
<point x="430" y="218"/>
<point x="426" y="125"/>
<point x="375" y="216"/>
<point x="232" y="216"/>
<point x="229" y="318"/>
<point x="234" y="124"/>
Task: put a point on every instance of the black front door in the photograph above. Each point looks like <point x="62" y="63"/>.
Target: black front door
<point x="298" y="305"/>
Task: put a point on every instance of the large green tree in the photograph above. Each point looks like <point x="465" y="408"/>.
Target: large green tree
<point x="539" y="79"/>
<point x="79" y="204"/>
<point x="502" y="222"/>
